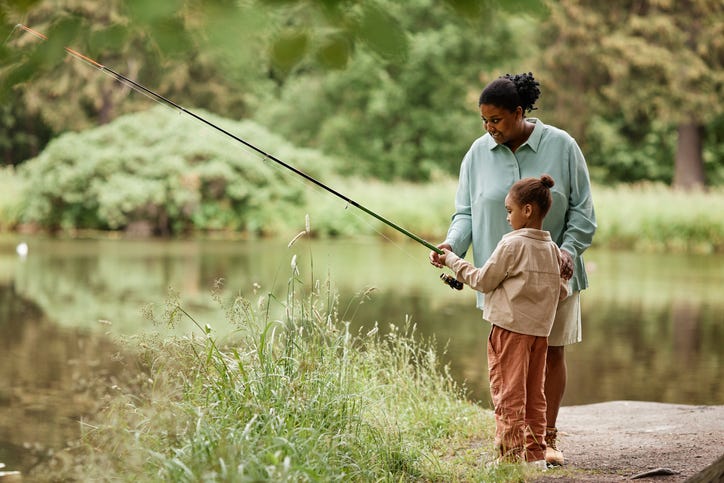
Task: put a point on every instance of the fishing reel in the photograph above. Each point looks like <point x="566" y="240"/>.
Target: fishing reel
<point x="451" y="281"/>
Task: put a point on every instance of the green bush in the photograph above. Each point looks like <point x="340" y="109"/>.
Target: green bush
<point x="167" y="170"/>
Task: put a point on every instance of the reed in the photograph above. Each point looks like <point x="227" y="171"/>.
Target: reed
<point x="655" y="218"/>
<point x="292" y="395"/>
<point x="11" y="189"/>
<point x="645" y="217"/>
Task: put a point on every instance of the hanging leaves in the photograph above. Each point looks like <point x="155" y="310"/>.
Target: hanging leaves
<point x="289" y="48"/>
<point x="382" y="33"/>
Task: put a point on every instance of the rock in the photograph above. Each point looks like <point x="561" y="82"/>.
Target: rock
<point x="713" y="472"/>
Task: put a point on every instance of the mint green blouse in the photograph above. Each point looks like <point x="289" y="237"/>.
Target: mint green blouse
<point x="488" y="171"/>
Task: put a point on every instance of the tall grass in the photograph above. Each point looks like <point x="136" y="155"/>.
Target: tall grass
<point x="293" y="395"/>
<point x="656" y="218"/>
<point x="11" y="190"/>
<point x="642" y="217"/>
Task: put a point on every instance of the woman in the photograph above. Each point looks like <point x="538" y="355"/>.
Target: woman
<point x="516" y="147"/>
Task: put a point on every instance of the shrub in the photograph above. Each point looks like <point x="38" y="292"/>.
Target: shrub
<point x="167" y="170"/>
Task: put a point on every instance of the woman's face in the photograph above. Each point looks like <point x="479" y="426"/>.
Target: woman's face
<point x="503" y="125"/>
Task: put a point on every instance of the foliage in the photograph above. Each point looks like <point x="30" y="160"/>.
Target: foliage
<point x="166" y="170"/>
<point x="621" y="153"/>
<point x="103" y="179"/>
<point x="11" y="190"/>
<point x="299" y="398"/>
<point x="645" y="66"/>
<point x="405" y="74"/>
<point x="632" y="217"/>
<point x="714" y="151"/>
<point x="47" y="92"/>
<point x="391" y="89"/>
<point x="408" y="119"/>
<point x="21" y="135"/>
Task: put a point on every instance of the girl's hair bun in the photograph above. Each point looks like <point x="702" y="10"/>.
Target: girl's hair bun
<point x="547" y="181"/>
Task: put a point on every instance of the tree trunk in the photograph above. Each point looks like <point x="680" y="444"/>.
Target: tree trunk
<point x="689" y="167"/>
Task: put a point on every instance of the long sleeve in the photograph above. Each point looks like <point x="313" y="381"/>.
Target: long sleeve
<point x="459" y="234"/>
<point x="581" y="226"/>
<point x="484" y="279"/>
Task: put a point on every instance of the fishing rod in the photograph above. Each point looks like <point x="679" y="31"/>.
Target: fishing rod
<point x="451" y="281"/>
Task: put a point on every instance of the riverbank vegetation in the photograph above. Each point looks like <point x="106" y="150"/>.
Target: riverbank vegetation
<point x="630" y="217"/>
<point x="158" y="173"/>
<point x="377" y="100"/>
<point x="294" y="395"/>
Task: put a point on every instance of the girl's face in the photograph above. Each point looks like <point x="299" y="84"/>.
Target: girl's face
<point x="517" y="214"/>
<point x="503" y="125"/>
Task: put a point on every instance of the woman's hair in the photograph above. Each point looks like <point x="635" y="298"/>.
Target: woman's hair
<point x="510" y="91"/>
<point x="534" y="191"/>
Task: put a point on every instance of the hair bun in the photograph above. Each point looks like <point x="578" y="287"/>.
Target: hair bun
<point x="547" y="181"/>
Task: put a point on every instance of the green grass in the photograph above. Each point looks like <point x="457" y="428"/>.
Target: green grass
<point x="292" y="396"/>
<point x="655" y="218"/>
<point x="643" y="217"/>
<point x="11" y="190"/>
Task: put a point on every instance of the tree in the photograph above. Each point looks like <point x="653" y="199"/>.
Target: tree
<point x="642" y="60"/>
<point x="204" y="54"/>
<point x="145" y="41"/>
<point x="407" y="116"/>
<point x="410" y="63"/>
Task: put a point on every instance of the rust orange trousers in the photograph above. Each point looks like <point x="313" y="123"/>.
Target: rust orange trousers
<point x="516" y="366"/>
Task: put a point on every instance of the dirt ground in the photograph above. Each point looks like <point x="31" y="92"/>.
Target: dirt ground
<point x="619" y="440"/>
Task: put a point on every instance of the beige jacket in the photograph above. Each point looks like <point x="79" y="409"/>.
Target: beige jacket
<point x="521" y="281"/>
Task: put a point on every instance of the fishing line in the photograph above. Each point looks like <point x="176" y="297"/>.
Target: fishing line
<point x="164" y="100"/>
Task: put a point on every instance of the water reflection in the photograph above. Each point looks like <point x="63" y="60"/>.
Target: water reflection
<point x="50" y="378"/>
<point x="653" y="324"/>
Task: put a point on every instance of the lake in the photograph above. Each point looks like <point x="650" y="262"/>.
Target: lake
<point x="653" y="323"/>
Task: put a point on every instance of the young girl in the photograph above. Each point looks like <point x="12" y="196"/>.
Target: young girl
<point x="522" y="285"/>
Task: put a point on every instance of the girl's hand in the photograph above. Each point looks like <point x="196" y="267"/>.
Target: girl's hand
<point x="437" y="259"/>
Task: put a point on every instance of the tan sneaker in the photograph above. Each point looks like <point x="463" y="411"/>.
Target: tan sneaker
<point x="553" y="455"/>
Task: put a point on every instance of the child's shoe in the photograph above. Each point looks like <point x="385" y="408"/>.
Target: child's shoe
<point x="554" y="456"/>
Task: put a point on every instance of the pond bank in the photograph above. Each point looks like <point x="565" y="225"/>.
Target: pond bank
<point x="614" y="441"/>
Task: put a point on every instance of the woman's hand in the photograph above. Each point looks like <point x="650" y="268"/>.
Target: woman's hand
<point x="566" y="265"/>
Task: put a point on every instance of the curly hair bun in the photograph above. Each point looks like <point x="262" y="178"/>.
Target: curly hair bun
<point x="527" y="87"/>
<point x="547" y="181"/>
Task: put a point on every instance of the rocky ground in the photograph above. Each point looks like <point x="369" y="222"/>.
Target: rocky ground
<point x="638" y="441"/>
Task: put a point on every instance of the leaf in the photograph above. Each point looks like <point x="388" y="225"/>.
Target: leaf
<point x="149" y="12"/>
<point x="381" y="32"/>
<point x="289" y="49"/>
<point x="470" y="8"/>
<point x="535" y="8"/>
<point x="112" y="38"/>
<point x="63" y="33"/>
<point x="170" y="35"/>
<point x="334" y="52"/>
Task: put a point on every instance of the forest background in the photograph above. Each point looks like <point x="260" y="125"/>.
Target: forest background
<point x="360" y="94"/>
<point x="377" y="98"/>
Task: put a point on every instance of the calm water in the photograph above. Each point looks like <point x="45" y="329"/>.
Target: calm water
<point x="653" y="324"/>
